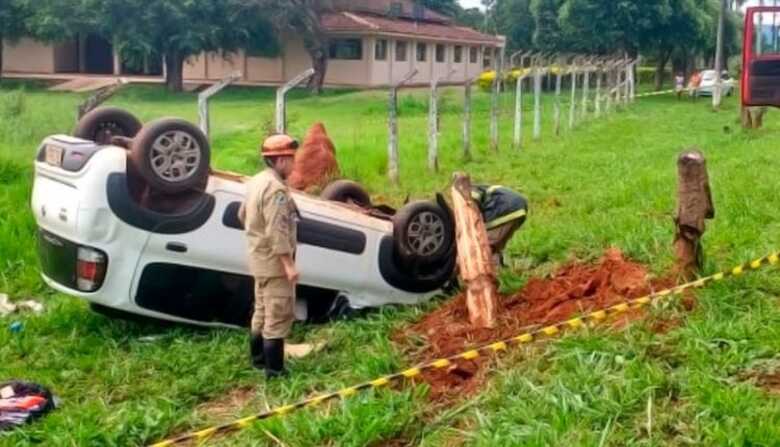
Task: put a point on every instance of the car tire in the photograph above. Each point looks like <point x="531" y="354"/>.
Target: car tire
<point x="104" y="123"/>
<point x="423" y="233"/>
<point x="172" y="156"/>
<point x="346" y="191"/>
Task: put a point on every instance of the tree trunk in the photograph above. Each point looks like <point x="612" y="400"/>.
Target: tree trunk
<point x="474" y="256"/>
<point x="694" y="206"/>
<point x="174" y="65"/>
<point x="319" y="61"/>
<point x="1" y="56"/>
<point x="660" y="70"/>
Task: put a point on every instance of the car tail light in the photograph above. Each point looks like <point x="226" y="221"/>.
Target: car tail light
<point x="90" y="269"/>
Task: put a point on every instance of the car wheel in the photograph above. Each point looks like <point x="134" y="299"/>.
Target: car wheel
<point x="172" y="156"/>
<point x="346" y="191"/>
<point x="104" y="123"/>
<point x="423" y="233"/>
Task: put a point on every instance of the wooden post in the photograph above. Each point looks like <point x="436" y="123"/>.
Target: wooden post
<point x="433" y="124"/>
<point x="694" y="206"/>
<point x="392" y="128"/>
<point x="557" y="103"/>
<point x="752" y="117"/>
<point x="205" y="95"/>
<point x="538" y="73"/>
<point x="573" y="105"/>
<point x="281" y="99"/>
<point x="467" y="119"/>
<point x="474" y="257"/>
<point x="101" y="96"/>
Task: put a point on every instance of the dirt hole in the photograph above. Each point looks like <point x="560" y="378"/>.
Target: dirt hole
<point x="574" y="289"/>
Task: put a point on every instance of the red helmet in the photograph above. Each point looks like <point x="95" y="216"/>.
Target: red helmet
<point x="279" y="146"/>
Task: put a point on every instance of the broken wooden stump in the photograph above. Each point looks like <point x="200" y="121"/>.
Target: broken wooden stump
<point x="474" y="256"/>
<point x="694" y="206"/>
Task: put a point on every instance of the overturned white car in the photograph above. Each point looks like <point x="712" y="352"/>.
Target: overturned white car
<point x="132" y="219"/>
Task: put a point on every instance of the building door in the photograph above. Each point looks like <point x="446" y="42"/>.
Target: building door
<point x="98" y="55"/>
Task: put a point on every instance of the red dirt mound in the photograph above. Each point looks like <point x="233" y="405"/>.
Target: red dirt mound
<point x="572" y="290"/>
<point x="315" y="162"/>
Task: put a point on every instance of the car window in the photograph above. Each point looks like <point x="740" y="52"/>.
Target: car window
<point x="708" y="76"/>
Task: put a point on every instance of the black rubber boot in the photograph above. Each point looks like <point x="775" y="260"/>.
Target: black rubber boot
<point x="257" y="356"/>
<point x="274" y="357"/>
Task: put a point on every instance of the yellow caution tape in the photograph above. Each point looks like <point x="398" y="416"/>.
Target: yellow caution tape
<point x="587" y="320"/>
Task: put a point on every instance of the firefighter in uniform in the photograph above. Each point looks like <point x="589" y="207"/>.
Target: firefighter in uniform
<point x="270" y="218"/>
<point x="504" y="212"/>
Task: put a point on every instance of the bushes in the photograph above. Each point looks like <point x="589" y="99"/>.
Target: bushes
<point x="485" y="80"/>
<point x="13" y="103"/>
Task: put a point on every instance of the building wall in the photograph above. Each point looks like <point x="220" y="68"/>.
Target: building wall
<point x="195" y="67"/>
<point x="264" y="69"/>
<point x="28" y="56"/>
<point x="33" y="57"/>
<point x="351" y="72"/>
<point x="295" y="58"/>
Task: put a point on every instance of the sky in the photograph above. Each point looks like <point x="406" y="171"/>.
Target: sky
<point x="470" y="3"/>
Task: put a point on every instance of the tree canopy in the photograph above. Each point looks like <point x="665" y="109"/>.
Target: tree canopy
<point x="179" y="29"/>
<point x="12" y="15"/>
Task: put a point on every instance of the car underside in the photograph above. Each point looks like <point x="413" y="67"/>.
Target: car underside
<point x="113" y="232"/>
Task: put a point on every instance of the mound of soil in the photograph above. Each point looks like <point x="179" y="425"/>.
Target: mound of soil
<point x="573" y="290"/>
<point x="315" y="161"/>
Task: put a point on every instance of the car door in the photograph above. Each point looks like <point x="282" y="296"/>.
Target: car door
<point x="761" y="57"/>
<point x="199" y="275"/>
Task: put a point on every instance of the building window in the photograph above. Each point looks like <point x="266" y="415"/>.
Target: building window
<point x="473" y="55"/>
<point x="486" y="57"/>
<point x="380" y="50"/>
<point x="400" y="51"/>
<point x="346" y="49"/>
<point x="458" y="54"/>
<point x="422" y="50"/>
<point x="441" y="53"/>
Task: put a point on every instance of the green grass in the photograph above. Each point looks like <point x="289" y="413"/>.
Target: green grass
<point x="610" y="182"/>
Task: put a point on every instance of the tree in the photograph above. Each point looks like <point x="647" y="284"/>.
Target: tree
<point x="179" y="29"/>
<point x="447" y="7"/>
<point x="514" y="20"/>
<point x="303" y="17"/>
<point x="546" y="30"/>
<point x="12" y="15"/>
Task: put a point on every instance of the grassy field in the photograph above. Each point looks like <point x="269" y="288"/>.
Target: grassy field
<point x="610" y="182"/>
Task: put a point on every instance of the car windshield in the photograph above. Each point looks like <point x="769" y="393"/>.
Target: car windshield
<point x="708" y="76"/>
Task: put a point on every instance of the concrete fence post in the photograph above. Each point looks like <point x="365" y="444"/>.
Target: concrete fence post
<point x="101" y="96"/>
<point x="467" y="118"/>
<point x="538" y="73"/>
<point x="585" y="90"/>
<point x="557" y="103"/>
<point x="597" y="103"/>
<point x="573" y="105"/>
<point x="518" y="135"/>
<point x="281" y="99"/>
<point x="433" y="123"/>
<point x="203" y="101"/>
<point x="392" y="128"/>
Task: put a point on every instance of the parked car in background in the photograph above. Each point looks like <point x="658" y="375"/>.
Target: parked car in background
<point x="707" y="86"/>
<point x="133" y="219"/>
